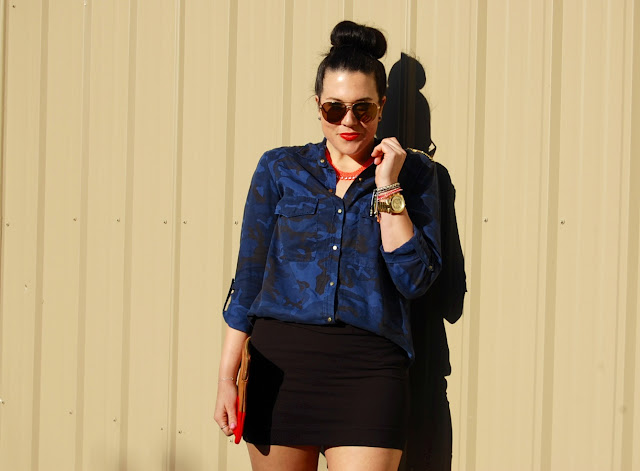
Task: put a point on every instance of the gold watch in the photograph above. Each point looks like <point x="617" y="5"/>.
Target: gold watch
<point x="394" y="204"/>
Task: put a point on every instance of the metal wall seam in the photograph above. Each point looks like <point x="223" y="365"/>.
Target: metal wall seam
<point x="176" y="240"/>
<point x="128" y="237"/>
<point x="629" y="461"/>
<point x="287" y="72"/>
<point x="469" y="462"/>
<point x="42" y="165"/>
<point x="3" y="153"/>
<point x="84" y="222"/>
<point x="546" y="224"/>
<point x="228" y="224"/>
<point x="552" y="234"/>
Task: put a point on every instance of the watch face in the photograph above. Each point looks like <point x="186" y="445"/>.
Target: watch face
<point x="397" y="203"/>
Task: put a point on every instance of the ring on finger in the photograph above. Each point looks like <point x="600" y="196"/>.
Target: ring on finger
<point x="222" y="428"/>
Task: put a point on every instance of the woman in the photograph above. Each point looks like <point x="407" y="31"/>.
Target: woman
<point x="337" y="238"/>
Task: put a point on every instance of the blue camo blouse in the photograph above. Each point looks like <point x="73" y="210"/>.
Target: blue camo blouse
<point x="309" y="256"/>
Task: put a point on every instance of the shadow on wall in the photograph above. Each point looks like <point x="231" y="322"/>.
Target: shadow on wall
<point x="406" y="114"/>
<point x="407" y="117"/>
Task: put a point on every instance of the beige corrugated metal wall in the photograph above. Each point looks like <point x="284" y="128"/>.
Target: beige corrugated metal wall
<point x="130" y="130"/>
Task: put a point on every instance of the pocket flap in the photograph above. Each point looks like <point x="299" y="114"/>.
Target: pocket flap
<point x="298" y="206"/>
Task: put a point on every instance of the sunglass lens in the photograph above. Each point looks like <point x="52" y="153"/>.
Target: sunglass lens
<point x="334" y="112"/>
<point x="365" y="112"/>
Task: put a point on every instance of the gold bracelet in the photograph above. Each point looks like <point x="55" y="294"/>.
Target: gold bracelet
<point x="226" y="379"/>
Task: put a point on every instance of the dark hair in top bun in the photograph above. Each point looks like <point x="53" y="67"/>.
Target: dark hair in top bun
<point x="355" y="48"/>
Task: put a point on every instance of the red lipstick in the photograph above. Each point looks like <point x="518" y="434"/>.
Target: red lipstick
<point x="349" y="136"/>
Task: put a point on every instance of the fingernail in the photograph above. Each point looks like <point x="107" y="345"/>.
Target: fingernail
<point x="232" y="426"/>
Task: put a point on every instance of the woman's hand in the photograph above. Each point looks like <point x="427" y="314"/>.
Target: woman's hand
<point x="389" y="156"/>
<point x="226" y="414"/>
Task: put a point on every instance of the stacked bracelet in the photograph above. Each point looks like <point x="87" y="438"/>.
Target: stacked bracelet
<point x="387" y="194"/>
<point x="382" y="189"/>
<point x="380" y="194"/>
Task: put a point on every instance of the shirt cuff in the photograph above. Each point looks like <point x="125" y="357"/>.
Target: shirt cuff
<point x="410" y="251"/>
<point x="238" y="320"/>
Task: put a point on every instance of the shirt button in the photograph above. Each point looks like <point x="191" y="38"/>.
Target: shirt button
<point x="430" y="267"/>
<point x="359" y="179"/>
<point x="322" y="161"/>
<point x="331" y="283"/>
<point x="335" y="247"/>
<point x="330" y="190"/>
<point x="329" y="320"/>
<point x="339" y="211"/>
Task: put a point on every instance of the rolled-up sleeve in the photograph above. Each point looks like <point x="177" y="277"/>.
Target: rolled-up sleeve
<point x="257" y="230"/>
<point x="415" y="265"/>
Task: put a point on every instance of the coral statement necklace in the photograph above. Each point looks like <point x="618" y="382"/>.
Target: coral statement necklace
<point x="347" y="175"/>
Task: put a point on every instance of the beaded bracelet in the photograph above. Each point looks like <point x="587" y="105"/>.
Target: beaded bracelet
<point x="393" y="186"/>
<point x="387" y="194"/>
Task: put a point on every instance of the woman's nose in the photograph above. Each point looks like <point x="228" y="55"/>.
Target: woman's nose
<point x="349" y="118"/>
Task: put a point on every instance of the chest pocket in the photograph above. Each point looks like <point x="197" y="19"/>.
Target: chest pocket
<point x="297" y="227"/>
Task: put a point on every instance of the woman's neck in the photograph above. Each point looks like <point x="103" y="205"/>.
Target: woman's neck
<point x="345" y="162"/>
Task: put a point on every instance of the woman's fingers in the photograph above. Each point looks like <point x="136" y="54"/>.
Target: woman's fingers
<point x="389" y="156"/>
<point x="225" y="413"/>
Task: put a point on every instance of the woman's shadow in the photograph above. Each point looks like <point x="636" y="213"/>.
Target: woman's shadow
<point x="407" y="117"/>
<point x="406" y="114"/>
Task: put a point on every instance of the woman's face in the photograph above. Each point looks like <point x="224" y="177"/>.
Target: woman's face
<point x="350" y="136"/>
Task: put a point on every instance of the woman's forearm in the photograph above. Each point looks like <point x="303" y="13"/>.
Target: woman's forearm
<point x="231" y="353"/>
<point x="395" y="230"/>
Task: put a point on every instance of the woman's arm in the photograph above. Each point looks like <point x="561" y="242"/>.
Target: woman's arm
<point x="410" y="245"/>
<point x="395" y="229"/>
<point x="257" y="230"/>
<point x="225" y="413"/>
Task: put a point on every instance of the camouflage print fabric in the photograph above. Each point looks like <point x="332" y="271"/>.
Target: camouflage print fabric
<point x="311" y="257"/>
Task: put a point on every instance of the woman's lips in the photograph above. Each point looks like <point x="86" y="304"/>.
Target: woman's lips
<point x="349" y="136"/>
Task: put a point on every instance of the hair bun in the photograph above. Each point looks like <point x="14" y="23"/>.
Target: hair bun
<point x="369" y="40"/>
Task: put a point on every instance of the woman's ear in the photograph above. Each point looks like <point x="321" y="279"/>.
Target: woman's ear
<point x="382" y="102"/>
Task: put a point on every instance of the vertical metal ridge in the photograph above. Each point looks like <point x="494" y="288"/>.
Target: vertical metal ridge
<point x="348" y="9"/>
<point x="177" y="237"/>
<point x="622" y="260"/>
<point x="128" y="237"/>
<point x="232" y="71"/>
<point x="543" y="225"/>
<point x="552" y="235"/>
<point x="633" y="255"/>
<point x="413" y="28"/>
<point x="39" y="301"/>
<point x="287" y="72"/>
<point x="84" y="223"/>
<point x="476" y="242"/>
<point x="3" y="155"/>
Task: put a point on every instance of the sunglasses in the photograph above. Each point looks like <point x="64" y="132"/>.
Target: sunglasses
<point x="333" y="112"/>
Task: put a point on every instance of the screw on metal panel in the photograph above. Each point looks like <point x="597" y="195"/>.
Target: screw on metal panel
<point x="161" y="428"/>
<point x="486" y="219"/>
<point x="235" y="222"/>
<point x="180" y="431"/>
<point x="2" y="402"/>
<point x="75" y="219"/>
<point x="184" y="222"/>
<point x="118" y="220"/>
<point x="115" y="419"/>
<point x="562" y="221"/>
<point x="165" y="221"/>
<point x="8" y="224"/>
<point x="70" y="412"/>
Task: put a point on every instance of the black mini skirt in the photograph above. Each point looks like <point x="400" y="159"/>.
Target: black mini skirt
<point x="325" y="386"/>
